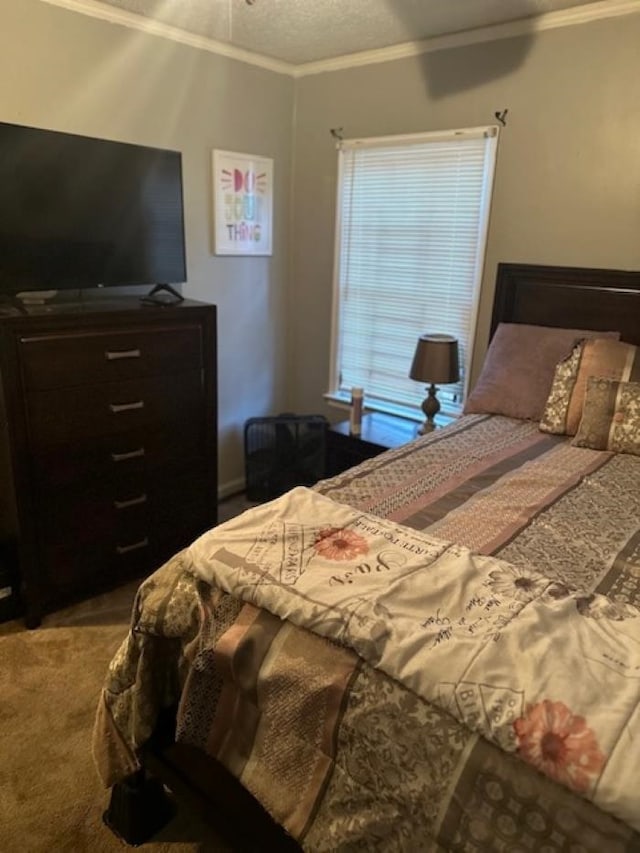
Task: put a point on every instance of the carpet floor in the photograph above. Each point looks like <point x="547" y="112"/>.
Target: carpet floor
<point x="50" y="678"/>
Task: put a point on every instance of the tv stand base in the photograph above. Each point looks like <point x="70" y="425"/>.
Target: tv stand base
<point x="162" y="294"/>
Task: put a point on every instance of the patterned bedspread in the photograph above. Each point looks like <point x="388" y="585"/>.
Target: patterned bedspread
<point x="346" y="751"/>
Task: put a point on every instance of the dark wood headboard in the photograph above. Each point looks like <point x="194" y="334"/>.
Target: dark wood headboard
<point x="568" y="297"/>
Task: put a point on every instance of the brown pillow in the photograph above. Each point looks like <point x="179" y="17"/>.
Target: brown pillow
<point x="601" y="358"/>
<point x="518" y="369"/>
<point x="610" y="417"/>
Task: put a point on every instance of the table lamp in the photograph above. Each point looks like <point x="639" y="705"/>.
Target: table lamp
<point x="435" y="360"/>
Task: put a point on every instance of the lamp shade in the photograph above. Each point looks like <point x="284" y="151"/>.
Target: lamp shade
<point x="436" y="359"/>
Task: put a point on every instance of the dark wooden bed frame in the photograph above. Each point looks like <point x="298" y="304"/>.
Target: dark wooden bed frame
<point x="568" y="297"/>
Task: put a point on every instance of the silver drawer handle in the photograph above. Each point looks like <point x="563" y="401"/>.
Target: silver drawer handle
<point x="126" y="407"/>
<point x="131" y="454"/>
<point x="141" y="499"/>
<point x="124" y="549"/>
<point x="113" y="355"/>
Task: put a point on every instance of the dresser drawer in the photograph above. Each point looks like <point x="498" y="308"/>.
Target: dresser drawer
<point x="93" y="533"/>
<point x="67" y="415"/>
<point x="70" y="570"/>
<point x="132" y="456"/>
<point x="57" y="360"/>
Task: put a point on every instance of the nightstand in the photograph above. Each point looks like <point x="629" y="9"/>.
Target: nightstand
<point x="379" y="432"/>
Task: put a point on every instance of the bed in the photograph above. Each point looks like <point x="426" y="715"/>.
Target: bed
<point x="436" y="650"/>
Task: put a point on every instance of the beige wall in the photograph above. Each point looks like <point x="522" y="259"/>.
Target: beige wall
<point x="63" y="70"/>
<point x="567" y="187"/>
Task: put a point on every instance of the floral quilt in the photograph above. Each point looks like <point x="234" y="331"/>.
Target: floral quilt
<point x="452" y="626"/>
<point x="467" y="676"/>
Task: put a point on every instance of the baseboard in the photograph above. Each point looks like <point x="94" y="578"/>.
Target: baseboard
<point x="232" y="487"/>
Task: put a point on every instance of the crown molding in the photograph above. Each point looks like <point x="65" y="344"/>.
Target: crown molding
<point x="551" y="20"/>
<point x="113" y="15"/>
<point x="526" y="26"/>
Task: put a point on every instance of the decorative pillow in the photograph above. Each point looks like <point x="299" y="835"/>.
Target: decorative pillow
<point x="601" y="358"/>
<point x="610" y="417"/>
<point x="518" y="369"/>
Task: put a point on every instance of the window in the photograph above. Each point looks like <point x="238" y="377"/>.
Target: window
<point x="412" y="216"/>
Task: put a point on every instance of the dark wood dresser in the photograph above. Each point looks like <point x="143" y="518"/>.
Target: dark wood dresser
<point x="108" y="442"/>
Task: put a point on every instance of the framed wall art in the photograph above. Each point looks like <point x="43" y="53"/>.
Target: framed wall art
<point x="242" y="203"/>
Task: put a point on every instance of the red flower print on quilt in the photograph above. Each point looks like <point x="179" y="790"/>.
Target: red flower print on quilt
<point x="338" y="543"/>
<point x="559" y="744"/>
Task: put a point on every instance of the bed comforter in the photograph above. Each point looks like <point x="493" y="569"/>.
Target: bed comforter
<point x="490" y="708"/>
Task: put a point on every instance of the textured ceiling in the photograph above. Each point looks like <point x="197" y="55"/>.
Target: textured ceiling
<point x="299" y="31"/>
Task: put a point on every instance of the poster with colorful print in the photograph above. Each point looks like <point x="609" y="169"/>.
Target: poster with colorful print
<point x="243" y="200"/>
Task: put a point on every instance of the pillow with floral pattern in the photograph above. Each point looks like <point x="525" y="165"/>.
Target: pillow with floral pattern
<point x="610" y="417"/>
<point x="598" y="357"/>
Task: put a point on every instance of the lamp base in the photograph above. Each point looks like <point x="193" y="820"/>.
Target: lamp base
<point x="430" y="407"/>
<point x="426" y="427"/>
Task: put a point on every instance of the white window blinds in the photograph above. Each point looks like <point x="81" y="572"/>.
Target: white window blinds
<point x="411" y="229"/>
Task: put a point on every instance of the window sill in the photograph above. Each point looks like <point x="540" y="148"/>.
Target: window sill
<point x="343" y="401"/>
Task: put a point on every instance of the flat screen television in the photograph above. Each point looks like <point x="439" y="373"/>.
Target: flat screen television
<point x="78" y="212"/>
